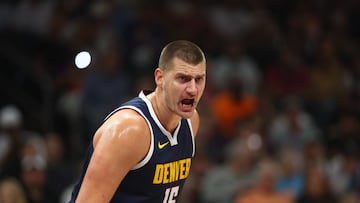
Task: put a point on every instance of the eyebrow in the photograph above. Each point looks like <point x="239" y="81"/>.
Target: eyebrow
<point x="188" y="75"/>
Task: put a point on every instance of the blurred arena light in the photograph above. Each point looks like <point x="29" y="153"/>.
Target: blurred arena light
<point x="82" y="59"/>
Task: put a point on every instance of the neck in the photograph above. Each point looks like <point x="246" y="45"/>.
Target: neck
<point x="167" y="118"/>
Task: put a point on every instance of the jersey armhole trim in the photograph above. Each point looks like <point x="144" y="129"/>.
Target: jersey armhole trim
<point x="192" y="136"/>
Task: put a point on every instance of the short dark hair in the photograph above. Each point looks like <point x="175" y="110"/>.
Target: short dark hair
<point x="182" y="49"/>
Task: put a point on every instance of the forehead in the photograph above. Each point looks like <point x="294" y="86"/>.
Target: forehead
<point x="181" y="67"/>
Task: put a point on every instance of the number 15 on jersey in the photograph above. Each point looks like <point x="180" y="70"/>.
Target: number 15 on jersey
<point x="171" y="194"/>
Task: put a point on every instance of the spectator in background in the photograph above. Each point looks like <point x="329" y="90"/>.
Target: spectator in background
<point x="314" y="153"/>
<point x="292" y="127"/>
<point x="344" y="174"/>
<point x="344" y="135"/>
<point x="234" y="62"/>
<point x="221" y="183"/>
<point x="11" y="191"/>
<point x="231" y="106"/>
<point x="33" y="171"/>
<point x="328" y="93"/>
<point x="310" y="26"/>
<point x="264" y="189"/>
<point x="223" y="15"/>
<point x="11" y="140"/>
<point x="317" y="188"/>
<point x="33" y="16"/>
<point x="291" y="178"/>
<point x="343" y="150"/>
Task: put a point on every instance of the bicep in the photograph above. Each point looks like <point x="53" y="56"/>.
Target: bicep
<point x="118" y="148"/>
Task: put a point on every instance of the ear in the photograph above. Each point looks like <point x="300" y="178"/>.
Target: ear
<point x="159" y="75"/>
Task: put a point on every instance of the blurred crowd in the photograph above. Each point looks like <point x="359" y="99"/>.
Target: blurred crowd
<point x="280" y="113"/>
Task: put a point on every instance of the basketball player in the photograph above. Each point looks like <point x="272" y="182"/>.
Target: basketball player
<point x="143" y="150"/>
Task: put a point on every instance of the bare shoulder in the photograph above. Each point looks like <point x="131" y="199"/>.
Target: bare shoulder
<point x="124" y="135"/>
<point x="126" y="125"/>
<point x="195" y="122"/>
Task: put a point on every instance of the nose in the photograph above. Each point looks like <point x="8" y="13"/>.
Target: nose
<point x="191" y="87"/>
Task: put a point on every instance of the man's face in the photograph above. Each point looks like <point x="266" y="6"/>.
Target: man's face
<point x="183" y="85"/>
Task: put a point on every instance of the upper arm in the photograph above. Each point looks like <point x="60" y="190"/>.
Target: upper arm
<point x="119" y="144"/>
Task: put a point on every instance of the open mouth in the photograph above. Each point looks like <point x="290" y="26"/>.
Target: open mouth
<point x="187" y="103"/>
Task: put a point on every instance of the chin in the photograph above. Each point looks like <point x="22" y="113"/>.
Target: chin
<point x="186" y="115"/>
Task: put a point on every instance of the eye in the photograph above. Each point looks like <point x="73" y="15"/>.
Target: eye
<point x="199" y="79"/>
<point x="184" y="78"/>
